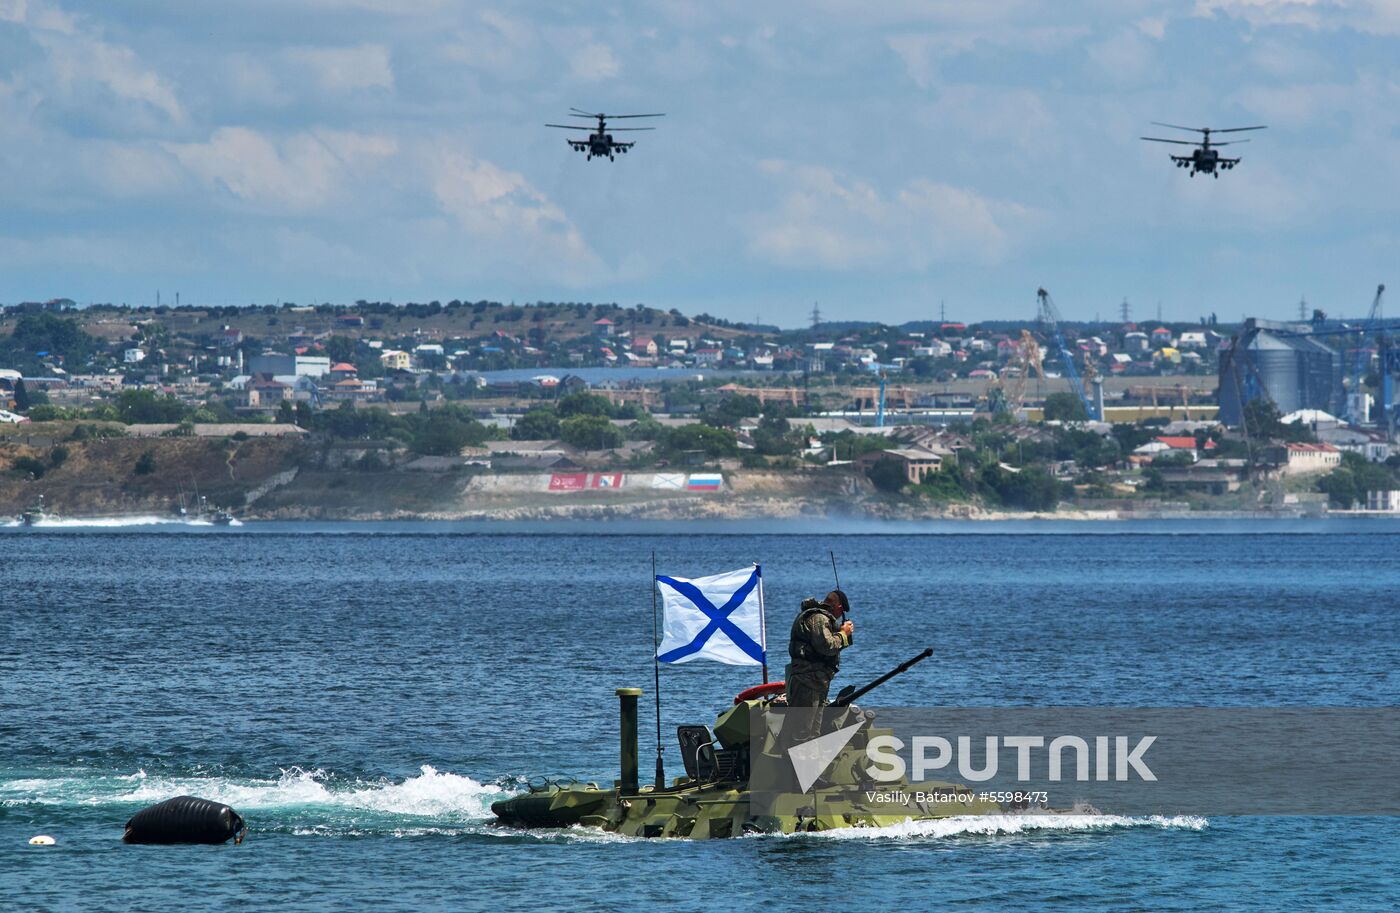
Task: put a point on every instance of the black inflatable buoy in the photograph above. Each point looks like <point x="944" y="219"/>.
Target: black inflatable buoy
<point x="185" y="819"/>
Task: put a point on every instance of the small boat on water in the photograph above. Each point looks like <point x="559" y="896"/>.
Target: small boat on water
<point x="36" y="514"/>
<point x="222" y="517"/>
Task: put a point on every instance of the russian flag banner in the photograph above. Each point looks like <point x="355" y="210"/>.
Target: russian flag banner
<point x="705" y="481"/>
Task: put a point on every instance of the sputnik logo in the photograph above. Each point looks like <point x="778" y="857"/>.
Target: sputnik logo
<point x="811" y="759"/>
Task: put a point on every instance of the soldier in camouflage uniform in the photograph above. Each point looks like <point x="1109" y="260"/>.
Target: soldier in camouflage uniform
<point x="818" y="636"/>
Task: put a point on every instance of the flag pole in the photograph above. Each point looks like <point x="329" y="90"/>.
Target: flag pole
<point x="656" y="676"/>
<point x="762" y="622"/>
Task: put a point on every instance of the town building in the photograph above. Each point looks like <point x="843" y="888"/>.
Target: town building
<point x="1306" y="459"/>
<point x="275" y="363"/>
<point x="915" y="461"/>
<point x="1383" y="500"/>
<point x="264" y="392"/>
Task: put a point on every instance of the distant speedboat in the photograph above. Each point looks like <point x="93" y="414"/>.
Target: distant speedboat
<point x="222" y="518"/>
<point x="36" y="514"/>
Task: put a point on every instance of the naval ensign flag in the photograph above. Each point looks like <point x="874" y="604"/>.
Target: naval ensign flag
<point x="719" y="618"/>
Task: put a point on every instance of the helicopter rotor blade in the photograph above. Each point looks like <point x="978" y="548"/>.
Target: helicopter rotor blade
<point x="1237" y="129"/>
<point x="1158" y="139"/>
<point x="1233" y="142"/>
<point x="621" y="129"/>
<point x="1158" y="123"/>
<point x="618" y="116"/>
<point x="584" y="113"/>
<point x="569" y="126"/>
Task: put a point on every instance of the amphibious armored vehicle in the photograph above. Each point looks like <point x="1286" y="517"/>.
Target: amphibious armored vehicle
<point x="730" y="788"/>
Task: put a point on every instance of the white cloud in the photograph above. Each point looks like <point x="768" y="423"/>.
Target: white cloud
<point x="831" y="221"/>
<point x="920" y="53"/>
<point x="594" y="62"/>
<point x="343" y="69"/>
<point x="37" y="15"/>
<point x="80" y="63"/>
<point x="130" y="170"/>
<point x="1271" y="12"/>
<point x="502" y="208"/>
<point x="1381" y="17"/>
<point x="300" y="173"/>
<point x="1125" y="58"/>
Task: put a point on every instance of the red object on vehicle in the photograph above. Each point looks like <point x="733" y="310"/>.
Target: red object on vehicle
<point x="767" y="689"/>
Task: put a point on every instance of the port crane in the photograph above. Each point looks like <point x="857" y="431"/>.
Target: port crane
<point x="1374" y="326"/>
<point x="1007" y="392"/>
<point x="1050" y="317"/>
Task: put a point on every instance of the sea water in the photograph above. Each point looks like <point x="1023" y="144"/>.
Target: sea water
<point x="361" y="693"/>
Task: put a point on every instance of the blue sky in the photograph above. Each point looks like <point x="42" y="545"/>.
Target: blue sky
<point x="877" y="158"/>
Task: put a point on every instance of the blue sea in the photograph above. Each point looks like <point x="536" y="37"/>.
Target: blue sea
<point x="361" y="693"/>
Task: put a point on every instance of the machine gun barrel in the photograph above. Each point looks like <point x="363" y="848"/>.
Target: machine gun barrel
<point x="851" y="692"/>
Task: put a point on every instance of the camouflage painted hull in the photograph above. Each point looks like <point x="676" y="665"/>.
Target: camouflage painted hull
<point x="704" y="811"/>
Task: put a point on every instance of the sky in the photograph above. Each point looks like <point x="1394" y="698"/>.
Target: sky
<point x="889" y="161"/>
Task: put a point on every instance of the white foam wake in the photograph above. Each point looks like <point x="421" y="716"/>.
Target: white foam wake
<point x="430" y="794"/>
<point x="114" y="522"/>
<point x="1009" y="824"/>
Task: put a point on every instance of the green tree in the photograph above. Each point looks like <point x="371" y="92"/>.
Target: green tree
<point x="47" y="413"/>
<point x="887" y="474"/>
<point x="29" y="466"/>
<point x="145" y="464"/>
<point x="540" y="423"/>
<point x="732" y="410"/>
<point x="1173" y="459"/>
<point x="340" y="348"/>
<point x="584" y="404"/>
<point x="35" y="333"/>
<point x="714" y="442"/>
<point x="1348" y="484"/>
<point x="145" y="406"/>
<point x="590" y="432"/>
<point x="948" y="484"/>
<point x="1065" y="407"/>
<point x="646" y="428"/>
<point x="21" y="396"/>
<point x="446" y="435"/>
<point x="773" y="437"/>
<point x="1029" y="489"/>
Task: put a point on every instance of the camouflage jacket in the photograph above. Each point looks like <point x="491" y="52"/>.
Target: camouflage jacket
<point x="816" y="642"/>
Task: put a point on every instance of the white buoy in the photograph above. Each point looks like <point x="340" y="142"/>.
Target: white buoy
<point x="42" y="840"/>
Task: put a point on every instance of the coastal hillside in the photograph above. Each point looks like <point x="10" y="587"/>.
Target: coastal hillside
<point x="80" y="473"/>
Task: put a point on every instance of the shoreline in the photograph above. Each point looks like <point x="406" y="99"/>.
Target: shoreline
<point x="664" y="512"/>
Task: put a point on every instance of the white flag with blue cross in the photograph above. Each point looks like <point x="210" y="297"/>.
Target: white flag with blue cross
<point x="718" y="618"/>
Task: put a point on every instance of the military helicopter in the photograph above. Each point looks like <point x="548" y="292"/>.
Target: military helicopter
<point x="600" y="143"/>
<point x="1205" y="158"/>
